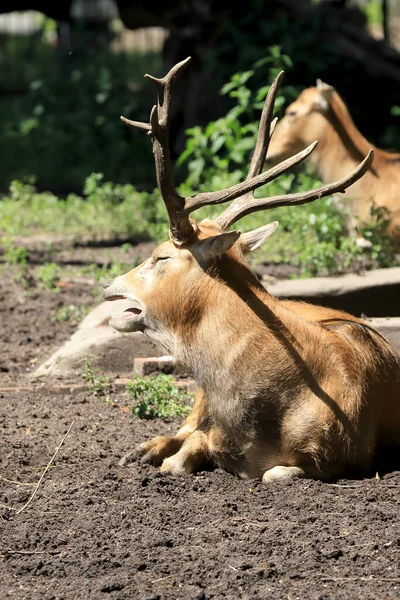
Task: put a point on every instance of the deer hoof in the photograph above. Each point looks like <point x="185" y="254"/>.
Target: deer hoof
<point x="155" y="450"/>
<point x="174" y="465"/>
<point x="282" y="473"/>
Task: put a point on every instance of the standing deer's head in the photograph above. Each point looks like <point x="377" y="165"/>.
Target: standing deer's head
<point x="185" y="277"/>
<point x="304" y="121"/>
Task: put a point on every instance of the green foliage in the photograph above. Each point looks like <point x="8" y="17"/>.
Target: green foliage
<point x="382" y="250"/>
<point x="63" y="121"/>
<point x="218" y="155"/>
<point x="105" y="210"/>
<point x="374" y="12"/>
<point x="49" y="275"/>
<point x="71" y="313"/>
<point x="98" y="385"/>
<point x="109" y="271"/>
<point x="14" y="255"/>
<point x="312" y="236"/>
<point x="17" y="257"/>
<point x="157" y="397"/>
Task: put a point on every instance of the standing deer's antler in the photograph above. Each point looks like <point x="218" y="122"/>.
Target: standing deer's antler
<point x="241" y="194"/>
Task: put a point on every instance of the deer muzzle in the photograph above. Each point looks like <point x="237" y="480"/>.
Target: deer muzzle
<point x="129" y="320"/>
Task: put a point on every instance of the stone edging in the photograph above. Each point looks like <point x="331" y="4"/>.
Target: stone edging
<point x="375" y="293"/>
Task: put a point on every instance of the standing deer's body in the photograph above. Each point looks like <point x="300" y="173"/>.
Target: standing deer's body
<point x="285" y="388"/>
<point x="320" y="113"/>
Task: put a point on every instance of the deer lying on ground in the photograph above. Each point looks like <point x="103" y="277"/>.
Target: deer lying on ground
<point x="320" y="113"/>
<point x="285" y="388"/>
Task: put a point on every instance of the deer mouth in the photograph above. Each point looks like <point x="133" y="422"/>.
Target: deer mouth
<point x="129" y="320"/>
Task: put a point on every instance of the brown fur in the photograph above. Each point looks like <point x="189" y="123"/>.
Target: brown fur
<point x="315" y="115"/>
<point x="285" y="388"/>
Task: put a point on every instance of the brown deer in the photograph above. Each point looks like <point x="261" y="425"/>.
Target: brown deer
<point x="285" y="389"/>
<point x="320" y="113"/>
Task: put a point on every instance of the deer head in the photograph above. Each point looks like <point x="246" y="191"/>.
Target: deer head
<point x="304" y="121"/>
<point x="201" y="270"/>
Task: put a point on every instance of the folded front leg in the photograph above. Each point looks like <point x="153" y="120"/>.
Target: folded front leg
<point x="156" y="450"/>
<point x="194" y="453"/>
<point x="204" y="447"/>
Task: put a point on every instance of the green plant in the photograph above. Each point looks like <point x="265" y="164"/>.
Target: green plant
<point x="98" y="385"/>
<point x="312" y="236"/>
<point x="71" y="313"/>
<point x="110" y="270"/>
<point x="105" y="210"/>
<point x="17" y="257"/>
<point x="157" y="397"/>
<point x="65" y="112"/>
<point x="382" y="251"/>
<point x="14" y="255"/>
<point x="218" y="155"/>
<point x="49" y="275"/>
<point x="373" y="11"/>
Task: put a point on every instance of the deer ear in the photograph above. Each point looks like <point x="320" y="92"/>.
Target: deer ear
<point x="217" y="245"/>
<point x="321" y="85"/>
<point x="252" y="240"/>
<point x="324" y="97"/>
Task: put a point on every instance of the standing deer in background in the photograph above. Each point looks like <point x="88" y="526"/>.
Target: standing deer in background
<point x="320" y="113"/>
<point x="285" y="389"/>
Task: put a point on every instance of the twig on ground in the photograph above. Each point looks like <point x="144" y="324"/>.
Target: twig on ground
<point x="7" y="507"/>
<point x="380" y="486"/>
<point x="19" y="511"/>
<point x="389" y="579"/>
<point x="15" y="482"/>
<point x="28" y="552"/>
<point x="162" y="578"/>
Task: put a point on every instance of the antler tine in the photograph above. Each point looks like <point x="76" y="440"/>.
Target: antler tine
<point x="137" y="124"/>
<point x="238" y="211"/>
<point x="181" y="229"/>
<point x="241" y="190"/>
<point x="265" y="129"/>
<point x="164" y="87"/>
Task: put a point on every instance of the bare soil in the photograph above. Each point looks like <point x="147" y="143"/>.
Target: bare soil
<point x="96" y="530"/>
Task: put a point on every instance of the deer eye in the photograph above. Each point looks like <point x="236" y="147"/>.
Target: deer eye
<point x="291" y="113"/>
<point x="162" y="257"/>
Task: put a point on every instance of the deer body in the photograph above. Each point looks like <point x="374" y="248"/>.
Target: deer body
<point x="281" y="389"/>
<point x="285" y="388"/>
<point x="320" y="113"/>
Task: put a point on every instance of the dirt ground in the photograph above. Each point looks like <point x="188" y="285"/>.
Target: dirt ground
<point x="96" y="530"/>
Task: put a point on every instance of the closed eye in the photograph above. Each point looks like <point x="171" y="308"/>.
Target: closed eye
<point x="162" y="258"/>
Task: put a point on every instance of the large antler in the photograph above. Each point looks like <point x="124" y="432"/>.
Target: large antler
<point x="179" y="208"/>
<point x="247" y="204"/>
<point x="180" y="227"/>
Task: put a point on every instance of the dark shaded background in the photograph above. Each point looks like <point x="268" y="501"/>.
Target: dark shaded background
<point x="329" y="40"/>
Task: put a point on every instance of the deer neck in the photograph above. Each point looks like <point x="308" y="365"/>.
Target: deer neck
<point x="245" y="353"/>
<point x="341" y="146"/>
<point x="239" y="322"/>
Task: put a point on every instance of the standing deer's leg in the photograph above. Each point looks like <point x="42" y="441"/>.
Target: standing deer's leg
<point x="154" y="451"/>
